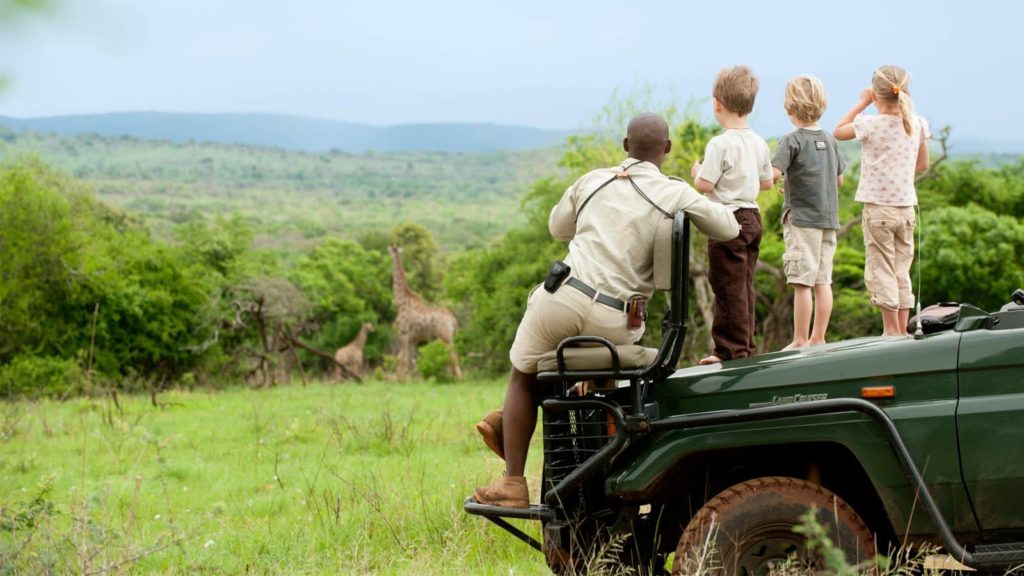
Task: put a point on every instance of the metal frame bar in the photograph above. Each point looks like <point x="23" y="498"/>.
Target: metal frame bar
<point x="516" y="532"/>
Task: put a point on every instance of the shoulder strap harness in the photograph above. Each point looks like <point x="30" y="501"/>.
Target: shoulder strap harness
<point x="624" y="173"/>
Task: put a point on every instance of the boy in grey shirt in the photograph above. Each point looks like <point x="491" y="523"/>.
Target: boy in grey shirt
<point x="813" y="168"/>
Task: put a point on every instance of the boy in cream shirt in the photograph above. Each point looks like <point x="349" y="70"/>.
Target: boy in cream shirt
<point x="736" y="167"/>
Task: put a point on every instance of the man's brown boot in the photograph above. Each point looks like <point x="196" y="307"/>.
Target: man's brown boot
<point x="490" y="428"/>
<point x="507" y="491"/>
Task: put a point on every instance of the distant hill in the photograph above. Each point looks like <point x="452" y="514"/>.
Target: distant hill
<point x="295" y="132"/>
<point x="973" y="146"/>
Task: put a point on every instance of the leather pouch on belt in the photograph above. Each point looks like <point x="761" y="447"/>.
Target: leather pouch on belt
<point x="636" y="312"/>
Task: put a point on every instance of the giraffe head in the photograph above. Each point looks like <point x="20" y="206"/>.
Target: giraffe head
<point x="368" y="326"/>
<point x="395" y="250"/>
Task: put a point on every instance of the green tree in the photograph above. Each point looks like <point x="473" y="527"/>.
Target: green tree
<point x="970" y="254"/>
<point x="85" y="281"/>
<point x="39" y="249"/>
<point x="347" y="285"/>
<point x="423" y="261"/>
<point x="1000" y="190"/>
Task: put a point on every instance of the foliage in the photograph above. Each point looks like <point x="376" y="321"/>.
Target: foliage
<point x="36" y="376"/>
<point x="292" y="200"/>
<point x="973" y="255"/>
<point x="423" y="262"/>
<point x="83" y="280"/>
<point x="11" y="8"/>
<point x="347" y="285"/>
<point x="831" y="559"/>
<point x="997" y="189"/>
<point x="434" y="362"/>
<point x="818" y="542"/>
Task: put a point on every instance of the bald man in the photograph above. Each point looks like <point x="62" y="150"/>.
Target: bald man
<point x="610" y="227"/>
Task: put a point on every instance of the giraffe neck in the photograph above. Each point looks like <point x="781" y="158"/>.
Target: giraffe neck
<point x="403" y="294"/>
<point x="360" y="340"/>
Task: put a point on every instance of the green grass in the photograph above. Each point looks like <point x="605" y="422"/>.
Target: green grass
<point x="326" y="479"/>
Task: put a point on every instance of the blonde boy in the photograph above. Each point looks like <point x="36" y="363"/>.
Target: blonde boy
<point x="736" y="167"/>
<point x="813" y="168"/>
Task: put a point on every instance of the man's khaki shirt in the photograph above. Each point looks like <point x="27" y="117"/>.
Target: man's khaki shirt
<point x="611" y="246"/>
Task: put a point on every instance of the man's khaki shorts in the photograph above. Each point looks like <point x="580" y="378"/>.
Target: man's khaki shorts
<point x="809" y="253"/>
<point x="888" y="255"/>
<point x="551" y="318"/>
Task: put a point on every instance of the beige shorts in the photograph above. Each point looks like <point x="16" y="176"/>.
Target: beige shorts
<point x="888" y="255"/>
<point x="809" y="253"/>
<point x="551" y="318"/>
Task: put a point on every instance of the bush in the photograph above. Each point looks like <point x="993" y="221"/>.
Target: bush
<point x="36" y="376"/>
<point x="434" y="362"/>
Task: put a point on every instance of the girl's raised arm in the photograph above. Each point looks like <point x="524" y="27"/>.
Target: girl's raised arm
<point x="922" y="157"/>
<point x="844" y="130"/>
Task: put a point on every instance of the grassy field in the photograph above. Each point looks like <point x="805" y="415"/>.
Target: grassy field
<point x="325" y="479"/>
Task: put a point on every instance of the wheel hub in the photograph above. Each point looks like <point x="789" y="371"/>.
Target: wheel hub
<point x="765" y="547"/>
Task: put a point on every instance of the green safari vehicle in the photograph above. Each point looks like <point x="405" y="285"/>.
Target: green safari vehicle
<point x="893" y="440"/>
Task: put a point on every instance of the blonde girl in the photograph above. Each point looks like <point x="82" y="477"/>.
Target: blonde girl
<point x="893" y="149"/>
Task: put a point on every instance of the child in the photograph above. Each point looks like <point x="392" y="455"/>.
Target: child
<point x="809" y="158"/>
<point x="735" y="169"/>
<point x="893" y="148"/>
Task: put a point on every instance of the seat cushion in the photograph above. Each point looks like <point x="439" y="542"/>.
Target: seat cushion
<point x="598" y="358"/>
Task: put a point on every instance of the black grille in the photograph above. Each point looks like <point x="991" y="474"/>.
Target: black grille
<point x="571" y="437"/>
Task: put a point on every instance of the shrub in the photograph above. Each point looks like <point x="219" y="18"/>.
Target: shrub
<point x="36" y="376"/>
<point x="434" y="361"/>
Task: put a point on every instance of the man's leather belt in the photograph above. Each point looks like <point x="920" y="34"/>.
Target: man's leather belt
<point x="605" y="299"/>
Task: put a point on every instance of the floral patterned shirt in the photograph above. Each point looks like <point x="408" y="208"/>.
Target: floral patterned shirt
<point x="888" y="158"/>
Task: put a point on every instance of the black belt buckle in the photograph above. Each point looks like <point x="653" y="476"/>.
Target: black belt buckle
<point x="558" y="273"/>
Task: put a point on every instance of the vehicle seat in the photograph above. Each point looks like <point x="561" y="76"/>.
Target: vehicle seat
<point x="591" y="357"/>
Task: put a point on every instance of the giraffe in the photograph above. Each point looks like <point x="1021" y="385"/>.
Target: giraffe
<point x="351" y="355"/>
<point x="418" y="321"/>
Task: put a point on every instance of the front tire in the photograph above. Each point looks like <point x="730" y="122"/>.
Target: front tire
<point x="748" y="528"/>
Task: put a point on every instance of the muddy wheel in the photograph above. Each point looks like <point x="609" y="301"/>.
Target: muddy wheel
<point x="748" y="528"/>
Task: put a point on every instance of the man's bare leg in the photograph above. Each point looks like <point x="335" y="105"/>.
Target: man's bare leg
<point x="520" y="419"/>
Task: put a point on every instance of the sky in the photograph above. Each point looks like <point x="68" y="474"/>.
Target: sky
<point x="547" y="64"/>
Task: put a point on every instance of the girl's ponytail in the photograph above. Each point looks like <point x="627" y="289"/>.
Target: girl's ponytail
<point x="907" y="111"/>
<point x="893" y="83"/>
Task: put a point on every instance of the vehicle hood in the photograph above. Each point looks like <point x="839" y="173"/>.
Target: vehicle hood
<point x="839" y="369"/>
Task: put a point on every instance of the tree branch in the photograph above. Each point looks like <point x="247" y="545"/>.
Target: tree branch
<point x="932" y="171"/>
<point x="296" y="342"/>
